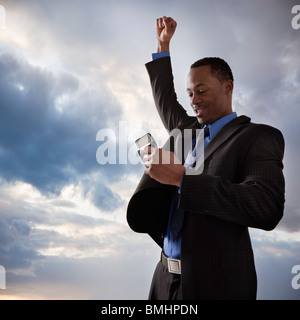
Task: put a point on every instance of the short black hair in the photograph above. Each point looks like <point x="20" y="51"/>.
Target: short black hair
<point x="219" y="67"/>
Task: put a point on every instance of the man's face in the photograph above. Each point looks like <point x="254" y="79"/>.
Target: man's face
<point x="210" y="99"/>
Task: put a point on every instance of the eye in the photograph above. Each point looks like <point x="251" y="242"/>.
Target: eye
<point x="198" y="92"/>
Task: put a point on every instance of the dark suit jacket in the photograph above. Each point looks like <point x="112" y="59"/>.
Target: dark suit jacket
<point x="242" y="186"/>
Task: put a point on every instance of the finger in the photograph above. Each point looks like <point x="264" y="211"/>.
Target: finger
<point x="165" y="22"/>
<point x="146" y="150"/>
<point x="146" y="158"/>
<point x="160" y="23"/>
<point x="147" y="166"/>
<point x="156" y="155"/>
<point x="157" y="23"/>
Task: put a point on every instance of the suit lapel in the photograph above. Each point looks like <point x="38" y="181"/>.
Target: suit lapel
<point x="225" y="133"/>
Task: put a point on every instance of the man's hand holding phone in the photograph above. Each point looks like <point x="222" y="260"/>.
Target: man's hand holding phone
<point x="161" y="165"/>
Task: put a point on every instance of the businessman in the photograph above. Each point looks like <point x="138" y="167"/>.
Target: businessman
<point x="201" y="220"/>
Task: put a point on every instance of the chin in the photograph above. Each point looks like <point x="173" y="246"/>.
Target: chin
<point x="200" y="120"/>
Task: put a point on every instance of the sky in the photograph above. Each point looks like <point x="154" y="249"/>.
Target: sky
<point x="72" y="71"/>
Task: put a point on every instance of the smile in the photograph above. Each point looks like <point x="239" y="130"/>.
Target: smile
<point x="198" y="110"/>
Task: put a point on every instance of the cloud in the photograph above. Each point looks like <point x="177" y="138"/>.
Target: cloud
<point x="291" y="219"/>
<point x="275" y="277"/>
<point x="33" y="227"/>
<point x="6" y="237"/>
<point x="91" y="278"/>
<point x="258" y="42"/>
<point x="55" y="251"/>
<point x="275" y="257"/>
<point x="48" y="126"/>
<point x="106" y="199"/>
<point x="14" y="251"/>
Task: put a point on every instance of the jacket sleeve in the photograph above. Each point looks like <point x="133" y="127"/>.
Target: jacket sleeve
<point x="257" y="201"/>
<point x="171" y="112"/>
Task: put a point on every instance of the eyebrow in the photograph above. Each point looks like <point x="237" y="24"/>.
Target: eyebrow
<point x="196" y="86"/>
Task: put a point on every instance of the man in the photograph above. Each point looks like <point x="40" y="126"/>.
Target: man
<point x="201" y="221"/>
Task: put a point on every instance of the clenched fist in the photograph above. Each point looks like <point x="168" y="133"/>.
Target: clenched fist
<point x="165" y="29"/>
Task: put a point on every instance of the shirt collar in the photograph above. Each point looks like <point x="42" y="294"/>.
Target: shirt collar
<point x="216" y="126"/>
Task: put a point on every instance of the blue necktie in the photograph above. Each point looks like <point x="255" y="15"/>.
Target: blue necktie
<point x="178" y="214"/>
<point x="206" y="134"/>
<point x="206" y="131"/>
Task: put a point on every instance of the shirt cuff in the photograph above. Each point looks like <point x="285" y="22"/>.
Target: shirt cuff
<point x="159" y="55"/>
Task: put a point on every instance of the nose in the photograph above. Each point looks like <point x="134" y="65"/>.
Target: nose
<point x="195" y="100"/>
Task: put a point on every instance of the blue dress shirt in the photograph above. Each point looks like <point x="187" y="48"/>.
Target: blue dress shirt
<point x="172" y="248"/>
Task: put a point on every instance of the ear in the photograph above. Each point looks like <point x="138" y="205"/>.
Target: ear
<point x="228" y="87"/>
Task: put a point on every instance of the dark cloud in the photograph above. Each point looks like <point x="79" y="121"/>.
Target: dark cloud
<point x="6" y="237"/>
<point x="106" y="199"/>
<point x="42" y="144"/>
<point x="15" y="251"/>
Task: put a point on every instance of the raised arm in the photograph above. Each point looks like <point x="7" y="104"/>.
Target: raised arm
<point x="171" y="112"/>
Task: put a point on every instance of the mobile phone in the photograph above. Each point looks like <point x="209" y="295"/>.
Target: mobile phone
<point x="145" y="140"/>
